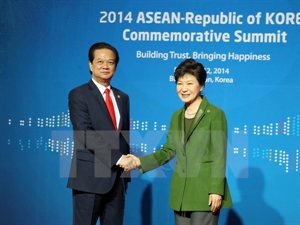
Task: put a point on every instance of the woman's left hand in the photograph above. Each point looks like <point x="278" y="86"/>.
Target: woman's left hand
<point x="215" y="202"/>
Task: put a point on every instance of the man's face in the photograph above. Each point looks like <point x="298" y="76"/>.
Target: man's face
<point x="103" y="66"/>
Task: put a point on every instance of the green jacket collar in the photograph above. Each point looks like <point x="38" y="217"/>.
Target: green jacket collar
<point x="199" y="115"/>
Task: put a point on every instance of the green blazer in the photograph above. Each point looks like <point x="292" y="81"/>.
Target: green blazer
<point x="201" y="159"/>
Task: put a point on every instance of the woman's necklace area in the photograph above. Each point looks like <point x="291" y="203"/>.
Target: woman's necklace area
<point x="190" y="114"/>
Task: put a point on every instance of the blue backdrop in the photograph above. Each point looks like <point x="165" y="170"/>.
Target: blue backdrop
<point x="250" y="50"/>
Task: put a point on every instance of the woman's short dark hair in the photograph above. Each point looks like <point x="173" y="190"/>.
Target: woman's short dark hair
<point x="101" y="45"/>
<point x="190" y="66"/>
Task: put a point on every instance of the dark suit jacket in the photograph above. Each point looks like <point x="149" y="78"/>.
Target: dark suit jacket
<point x="97" y="146"/>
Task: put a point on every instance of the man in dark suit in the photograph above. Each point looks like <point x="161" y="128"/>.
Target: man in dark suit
<point x="100" y="117"/>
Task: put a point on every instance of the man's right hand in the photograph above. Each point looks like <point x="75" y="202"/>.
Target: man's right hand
<point x="129" y="162"/>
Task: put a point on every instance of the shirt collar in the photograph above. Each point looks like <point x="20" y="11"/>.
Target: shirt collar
<point x="101" y="87"/>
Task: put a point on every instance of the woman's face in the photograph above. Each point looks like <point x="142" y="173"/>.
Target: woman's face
<point x="188" y="88"/>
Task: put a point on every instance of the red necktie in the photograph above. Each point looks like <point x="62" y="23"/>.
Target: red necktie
<point x="110" y="108"/>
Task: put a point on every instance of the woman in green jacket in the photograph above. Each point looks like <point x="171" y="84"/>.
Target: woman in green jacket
<point x="197" y="137"/>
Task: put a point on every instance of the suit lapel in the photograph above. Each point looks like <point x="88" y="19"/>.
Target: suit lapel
<point x="99" y="98"/>
<point x="181" y="127"/>
<point x="199" y="115"/>
<point x="119" y="104"/>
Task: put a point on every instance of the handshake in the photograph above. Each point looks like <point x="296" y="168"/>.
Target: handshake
<point x="129" y="162"/>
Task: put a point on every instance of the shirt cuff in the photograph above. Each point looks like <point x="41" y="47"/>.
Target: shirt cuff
<point x="119" y="160"/>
